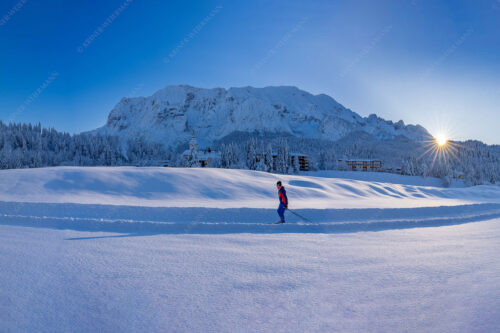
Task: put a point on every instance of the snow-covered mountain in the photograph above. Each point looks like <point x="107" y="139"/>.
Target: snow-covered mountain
<point x="172" y="114"/>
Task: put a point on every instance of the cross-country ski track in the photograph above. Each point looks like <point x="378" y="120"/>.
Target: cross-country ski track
<point x="193" y="250"/>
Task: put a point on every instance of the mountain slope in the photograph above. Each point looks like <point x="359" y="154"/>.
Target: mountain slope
<point x="172" y="114"/>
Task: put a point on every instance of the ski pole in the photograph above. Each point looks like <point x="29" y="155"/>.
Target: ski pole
<point x="302" y="217"/>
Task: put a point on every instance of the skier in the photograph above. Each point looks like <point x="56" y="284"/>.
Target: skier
<point x="283" y="201"/>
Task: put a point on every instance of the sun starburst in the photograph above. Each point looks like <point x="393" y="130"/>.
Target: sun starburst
<point x="441" y="139"/>
<point x="441" y="149"/>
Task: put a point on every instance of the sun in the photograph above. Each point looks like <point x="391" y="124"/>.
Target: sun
<point x="441" y="140"/>
<point x="440" y="148"/>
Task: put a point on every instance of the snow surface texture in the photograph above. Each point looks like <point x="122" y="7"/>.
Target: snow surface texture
<point x="203" y="200"/>
<point x="191" y="250"/>
<point x="229" y="188"/>
<point x="172" y="114"/>
<point x="443" y="279"/>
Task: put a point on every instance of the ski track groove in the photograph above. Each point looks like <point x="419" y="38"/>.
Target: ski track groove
<point x="439" y="216"/>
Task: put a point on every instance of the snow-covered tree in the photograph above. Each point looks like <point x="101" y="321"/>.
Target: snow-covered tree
<point x="327" y="160"/>
<point x="283" y="157"/>
<point x="268" y="158"/>
<point x="251" y="154"/>
<point x="192" y="160"/>
<point x="295" y="164"/>
<point x="230" y="157"/>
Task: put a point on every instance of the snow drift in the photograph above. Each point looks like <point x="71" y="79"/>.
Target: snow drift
<point x="130" y="199"/>
<point x="229" y="188"/>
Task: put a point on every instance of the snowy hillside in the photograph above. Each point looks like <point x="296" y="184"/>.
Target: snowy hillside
<point x="169" y="198"/>
<point x="95" y="249"/>
<point x="228" y="188"/>
<point x="171" y="115"/>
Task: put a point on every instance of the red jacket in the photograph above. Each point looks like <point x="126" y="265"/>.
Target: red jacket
<point x="282" y="196"/>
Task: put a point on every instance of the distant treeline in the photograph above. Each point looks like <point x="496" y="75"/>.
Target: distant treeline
<point x="31" y="146"/>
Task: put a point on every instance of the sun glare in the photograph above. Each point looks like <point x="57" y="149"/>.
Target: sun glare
<point x="441" y="148"/>
<point x="441" y="140"/>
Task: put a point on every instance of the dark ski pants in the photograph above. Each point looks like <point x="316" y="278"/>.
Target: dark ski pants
<point x="281" y="212"/>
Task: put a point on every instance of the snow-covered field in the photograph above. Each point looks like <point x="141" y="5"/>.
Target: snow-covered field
<point x="190" y="250"/>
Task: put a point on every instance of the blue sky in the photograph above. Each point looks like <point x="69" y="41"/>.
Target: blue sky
<point x="435" y="63"/>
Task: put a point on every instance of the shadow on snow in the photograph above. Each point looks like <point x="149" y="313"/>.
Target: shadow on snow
<point x="130" y="221"/>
